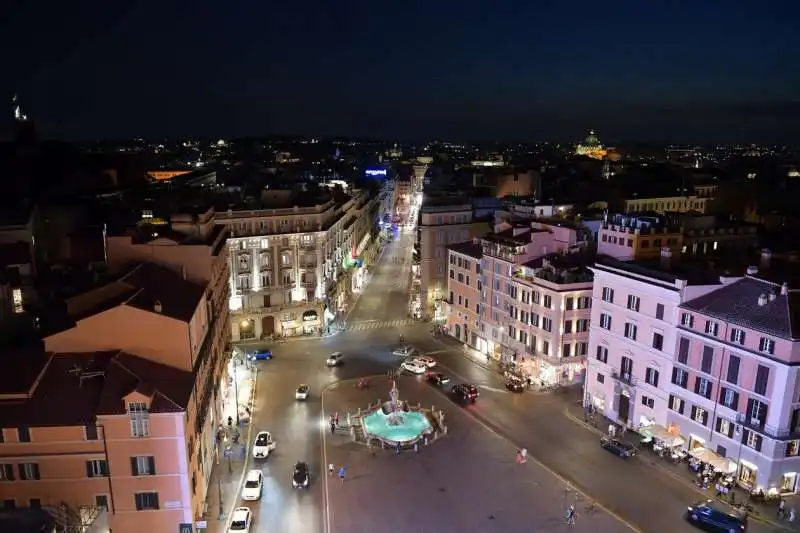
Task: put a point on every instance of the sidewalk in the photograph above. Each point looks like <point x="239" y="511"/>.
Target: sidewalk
<point x="573" y="400"/>
<point x="226" y="475"/>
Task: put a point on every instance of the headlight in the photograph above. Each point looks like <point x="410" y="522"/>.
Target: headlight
<point x="691" y="508"/>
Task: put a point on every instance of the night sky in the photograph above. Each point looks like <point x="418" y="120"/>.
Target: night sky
<point x="691" y="71"/>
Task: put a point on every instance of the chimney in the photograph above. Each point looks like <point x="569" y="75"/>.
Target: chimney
<point x="666" y="257"/>
<point x="766" y="255"/>
<point x="762" y="300"/>
<point x="157" y="306"/>
<point x="785" y="289"/>
<point x="752" y="270"/>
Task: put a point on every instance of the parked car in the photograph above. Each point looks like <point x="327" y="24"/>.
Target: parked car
<point x="415" y="367"/>
<point x="717" y="515"/>
<point x="253" y="484"/>
<point x="259" y="355"/>
<point x="240" y="520"/>
<point x="465" y="392"/>
<point x="300" y="476"/>
<point x="335" y="359"/>
<point x="437" y="378"/>
<point x="515" y="385"/>
<point x="425" y="360"/>
<point x="404" y="351"/>
<point x="301" y="393"/>
<point x="263" y="445"/>
<point x="620" y="448"/>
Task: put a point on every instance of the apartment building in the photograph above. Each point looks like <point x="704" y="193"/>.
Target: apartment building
<point x="630" y="236"/>
<point x="442" y="221"/>
<point x="736" y="386"/>
<point x="293" y="269"/>
<point x="701" y="201"/>
<point x="632" y="335"/>
<point x="120" y="409"/>
<point x="532" y="304"/>
<point x="404" y="194"/>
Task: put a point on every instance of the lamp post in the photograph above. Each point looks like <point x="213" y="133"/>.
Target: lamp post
<point x="219" y="497"/>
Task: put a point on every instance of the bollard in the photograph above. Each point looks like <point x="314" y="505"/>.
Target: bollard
<point x="419" y="405"/>
<point x="383" y="444"/>
<point x="359" y="411"/>
<point x="425" y="440"/>
<point x="348" y="418"/>
<point x="444" y="430"/>
<point x="416" y="447"/>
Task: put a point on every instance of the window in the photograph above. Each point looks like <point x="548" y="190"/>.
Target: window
<point x="547" y="324"/>
<point x="737" y="336"/>
<point x="724" y="427"/>
<point x="648" y="402"/>
<point x="733" y="369"/>
<point x="9" y="504"/>
<point x="676" y="404"/>
<point x="569" y="304"/>
<point x="583" y="348"/>
<point x="651" y="377"/>
<point x="683" y="350"/>
<point x="660" y="311"/>
<point x="702" y="386"/>
<point x="35" y="503"/>
<point x="762" y="378"/>
<point x="548" y="302"/>
<point x="535" y="319"/>
<point x="658" y="341"/>
<point x="608" y="295"/>
<point x="581" y="325"/>
<point x="6" y="472"/>
<point x="101" y="500"/>
<point x="680" y="377"/>
<point x="601" y="378"/>
<point x="751" y="439"/>
<point x="566" y="350"/>
<point x="712" y="328"/>
<point x="602" y="354"/>
<point x="756" y="412"/>
<point x="687" y="320"/>
<point x="146" y="501"/>
<point x="766" y="345"/>
<point x="626" y="367"/>
<point x="96" y="468"/>
<point x="28" y="471"/>
<point x="699" y="415"/>
<point x="729" y="398"/>
<point x="90" y="431"/>
<point x="568" y="326"/>
<point x="605" y="321"/>
<point x="633" y="302"/>
<point x="545" y="348"/>
<point x="140" y="421"/>
<point x="708" y="359"/>
<point x="23" y="434"/>
<point x="143" y="465"/>
<point x="631" y="330"/>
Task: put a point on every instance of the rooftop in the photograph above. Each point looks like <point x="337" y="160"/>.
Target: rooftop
<point x="72" y="389"/>
<point x="765" y="306"/>
<point x="470" y="248"/>
<point x="693" y="272"/>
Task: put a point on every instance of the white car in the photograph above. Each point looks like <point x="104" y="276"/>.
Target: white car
<point x="263" y="444"/>
<point x="335" y="359"/>
<point x="414" y="367"/>
<point x="404" y="351"/>
<point x="425" y="360"/>
<point x="240" y="520"/>
<point x="252" y="486"/>
<point x="301" y="393"/>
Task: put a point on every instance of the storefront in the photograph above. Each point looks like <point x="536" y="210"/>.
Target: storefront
<point x="311" y="322"/>
<point x="788" y="483"/>
<point x="561" y="373"/>
<point x="747" y="475"/>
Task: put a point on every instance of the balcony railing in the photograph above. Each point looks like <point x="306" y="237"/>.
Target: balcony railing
<point x="624" y="377"/>
<point x="275" y="308"/>
<point x="765" y="429"/>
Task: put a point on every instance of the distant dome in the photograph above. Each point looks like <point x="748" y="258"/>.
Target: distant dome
<point x="592" y="139"/>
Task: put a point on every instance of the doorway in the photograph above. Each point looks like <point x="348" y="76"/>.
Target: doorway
<point x="624" y="408"/>
<point x="268" y="325"/>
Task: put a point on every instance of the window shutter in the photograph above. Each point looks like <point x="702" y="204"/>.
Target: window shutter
<point x="675" y="375"/>
<point x="36" y="471"/>
<point x="735" y="401"/>
<point x="718" y="426"/>
<point x="745" y="434"/>
<point x="759" y="438"/>
<point x="89" y="471"/>
<point x="793" y="424"/>
<point x="152" y="461"/>
<point x="21" y="468"/>
<point x="697" y="385"/>
<point x="655" y="378"/>
<point x="705" y="418"/>
<point x="694" y="412"/>
<point x="134" y="470"/>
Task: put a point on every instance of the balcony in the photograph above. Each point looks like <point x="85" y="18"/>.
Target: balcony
<point x="309" y="283"/>
<point x="255" y="311"/>
<point x="624" y="377"/>
<point x="306" y="245"/>
<point x="264" y="267"/>
<point x="770" y="431"/>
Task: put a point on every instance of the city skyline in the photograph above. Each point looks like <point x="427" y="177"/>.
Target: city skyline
<point x="648" y="73"/>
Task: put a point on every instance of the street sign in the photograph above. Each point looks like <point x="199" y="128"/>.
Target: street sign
<point x="201" y="524"/>
<point x="184" y="528"/>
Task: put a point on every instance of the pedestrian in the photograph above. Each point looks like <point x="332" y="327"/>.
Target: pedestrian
<point x="330" y="469"/>
<point x="792" y="514"/>
<point x="570" y="516"/>
<point x="782" y="508"/>
<point x="336" y="419"/>
<point x="333" y="427"/>
<point x="230" y="421"/>
<point x="524" y="455"/>
<point x="342" y="474"/>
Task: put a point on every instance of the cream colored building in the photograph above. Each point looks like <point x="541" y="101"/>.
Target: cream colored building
<point x="679" y="204"/>
<point x="292" y="269"/>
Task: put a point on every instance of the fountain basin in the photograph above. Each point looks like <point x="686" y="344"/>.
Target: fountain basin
<point x="414" y="425"/>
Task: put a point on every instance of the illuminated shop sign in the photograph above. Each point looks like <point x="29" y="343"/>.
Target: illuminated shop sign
<point x="375" y="172"/>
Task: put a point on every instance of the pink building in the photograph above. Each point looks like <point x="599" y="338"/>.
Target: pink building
<point x="736" y="386"/>
<point x="514" y="299"/>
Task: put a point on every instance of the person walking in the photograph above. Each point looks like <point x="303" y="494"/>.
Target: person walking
<point x="782" y="508"/>
<point x="330" y="469"/>
<point x="342" y="474"/>
<point x="571" y="516"/>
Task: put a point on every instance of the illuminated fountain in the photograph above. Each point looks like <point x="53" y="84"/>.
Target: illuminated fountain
<point x="395" y="423"/>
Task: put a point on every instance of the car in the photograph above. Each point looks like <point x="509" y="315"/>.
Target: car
<point x="425" y="360"/>
<point x="300" y="476"/>
<point x="260" y="355"/>
<point x="335" y="359"/>
<point x="404" y="351"/>
<point x="301" y="393"/>
<point x="240" y="520"/>
<point x="618" y="447"/>
<point x="263" y="445"/>
<point x="437" y="378"/>
<point x="252" y="486"/>
<point x="717" y="515"/>
<point x="415" y="367"/>
<point x="515" y="385"/>
<point x="465" y="392"/>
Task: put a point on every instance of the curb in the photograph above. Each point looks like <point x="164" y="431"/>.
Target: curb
<point x="757" y="518"/>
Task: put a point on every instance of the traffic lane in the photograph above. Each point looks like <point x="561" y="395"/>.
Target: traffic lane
<point x="385" y="297"/>
<point x="295" y="425"/>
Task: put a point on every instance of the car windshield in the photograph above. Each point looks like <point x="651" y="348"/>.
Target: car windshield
<point x="302" y="388"/>
<point x="252" y="483"/>
<point x="238" y="525"/>
<point x="262" y="440"/>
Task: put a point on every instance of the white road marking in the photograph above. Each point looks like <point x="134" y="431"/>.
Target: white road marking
<point x="235" y="501"/>
<point x="326" y="517"/>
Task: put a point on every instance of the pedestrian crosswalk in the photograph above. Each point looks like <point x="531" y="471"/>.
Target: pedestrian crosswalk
<point x="379" y="324"/>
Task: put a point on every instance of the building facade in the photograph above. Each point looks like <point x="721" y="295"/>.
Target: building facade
<point x="629" y="237"/>
<point x="293" y="270"/>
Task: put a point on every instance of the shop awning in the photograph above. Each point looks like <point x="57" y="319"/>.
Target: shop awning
<point x="309" y="316"/>
<point x="669" y="436"/>
<point x="707" y="456"/>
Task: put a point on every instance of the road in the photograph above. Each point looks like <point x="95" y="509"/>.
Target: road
<point x="639" y="493"/>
